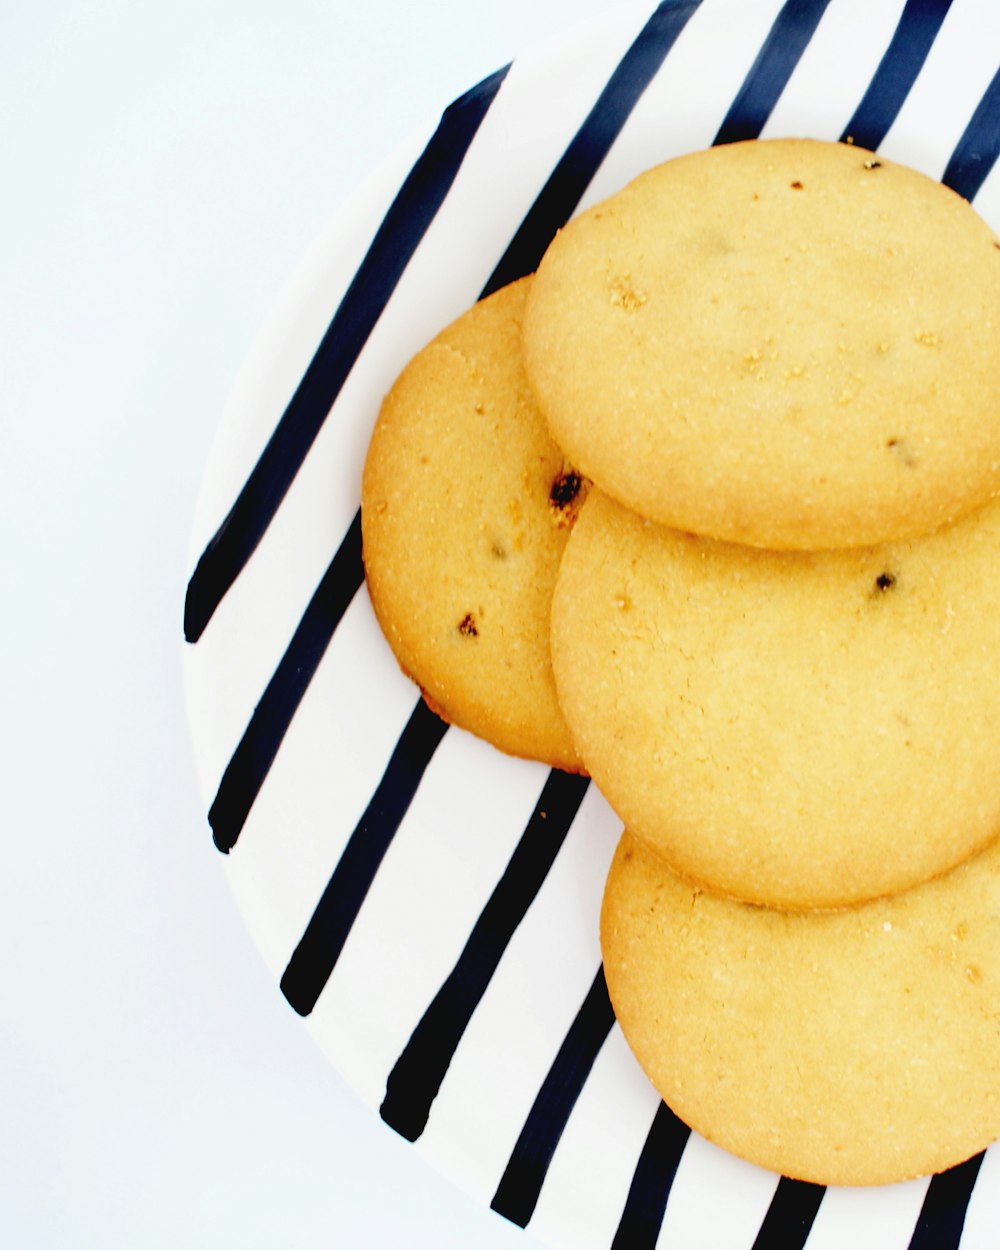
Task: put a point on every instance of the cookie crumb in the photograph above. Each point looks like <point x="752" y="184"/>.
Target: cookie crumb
<point x="625" y="295"/>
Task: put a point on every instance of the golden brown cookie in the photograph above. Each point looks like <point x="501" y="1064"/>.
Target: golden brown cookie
<point x="786" y="343"/>
<point x="796" y="728"/>
<point x="851" y="1047"/>
<point x="466" y="507"/>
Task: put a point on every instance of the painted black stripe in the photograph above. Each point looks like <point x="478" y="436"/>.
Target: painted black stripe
<point x="592" y="142"/>
<point x="942" y="1216"/>
<point x="790" y="1216"/>
<point x="978" y="147"/>
<point x="521" y="1184"/>
<point x="404" y="225"/>
<point x="654" y="1175"/>
<point x="317" y="953"/>
<point x="416" y="1078"/>
<point x="776" y="61"/>
<point x="902" y="62"/>
<point x="252" y="759"/>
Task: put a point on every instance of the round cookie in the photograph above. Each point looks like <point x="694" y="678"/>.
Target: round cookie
<point x="466" y="505"/>
<point x="796" y="728"/>
<point x="847" y="1047"/>
<point x="786" y="343"/>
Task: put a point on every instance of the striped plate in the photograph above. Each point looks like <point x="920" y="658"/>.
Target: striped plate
<point x="427" y="905"/>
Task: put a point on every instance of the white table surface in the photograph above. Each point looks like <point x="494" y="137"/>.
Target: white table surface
<point x="165" y="168"/>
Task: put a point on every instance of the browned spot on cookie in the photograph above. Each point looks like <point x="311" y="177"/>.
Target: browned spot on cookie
<point x="884" y="583"/>
<point x="467" y="626"/>
<point x="796" y="185"/>
<point x="565" y="489"/>
<point x="902" y="451"/>
<point x="566" y="494"/>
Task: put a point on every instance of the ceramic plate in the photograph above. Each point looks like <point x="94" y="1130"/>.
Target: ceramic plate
<point x="428" y="906"/>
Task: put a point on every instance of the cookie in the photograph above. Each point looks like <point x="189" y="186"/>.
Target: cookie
<point x="796" y="728"/>
<point x="466" y="507"/>
<point x="847" y="1047"/>
<point x="785" y="343"/>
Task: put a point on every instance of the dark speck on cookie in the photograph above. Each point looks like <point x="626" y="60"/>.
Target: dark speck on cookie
<point x="565" y="489"/>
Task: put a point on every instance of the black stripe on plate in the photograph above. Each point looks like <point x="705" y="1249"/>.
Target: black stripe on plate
<point x="517" y="1194"/>
<point x="790" y="1216"/>
<point x="942" y="1216"/>
<point x="897" y="72"/>
<point x="581" y="160"/>
<point x="780" y="52"/>
<point x="404" y="225"/>
<point x="416" y="1077"/>
<point x="654" y="1175"/>
<point x="978" y="147"/>
<point x="252" y="759"/>
<point x="316" y="955"/>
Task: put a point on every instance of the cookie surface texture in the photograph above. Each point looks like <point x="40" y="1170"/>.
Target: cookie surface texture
<point x="466" y="508"/>
<point x="787" y="343"/>
<point x="796" y="728"/>
<point x="851" y="1047"/>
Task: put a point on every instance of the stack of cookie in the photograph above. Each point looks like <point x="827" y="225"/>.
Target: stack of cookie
<point x="773" y="627"/>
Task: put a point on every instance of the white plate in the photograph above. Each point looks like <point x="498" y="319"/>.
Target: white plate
<point x="428" y="905"/>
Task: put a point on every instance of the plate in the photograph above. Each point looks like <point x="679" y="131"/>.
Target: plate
<point x="427" y="905"/>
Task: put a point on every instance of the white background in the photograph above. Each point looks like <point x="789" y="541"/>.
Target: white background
<point x="164" y="169"/>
